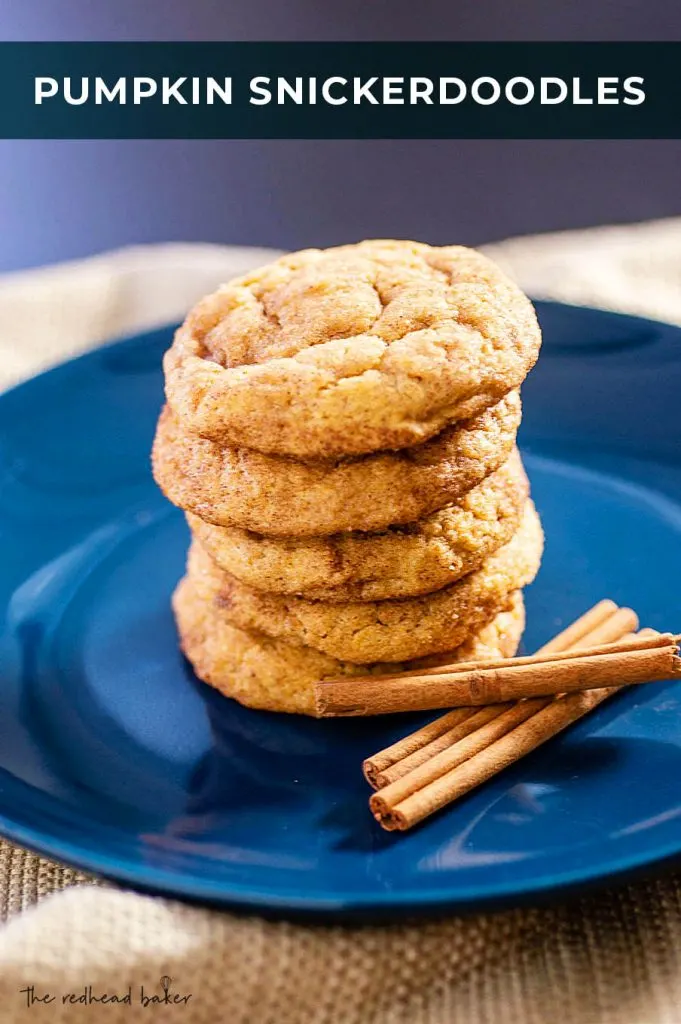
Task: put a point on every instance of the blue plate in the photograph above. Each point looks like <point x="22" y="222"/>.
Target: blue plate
<point x="114" y="758"/>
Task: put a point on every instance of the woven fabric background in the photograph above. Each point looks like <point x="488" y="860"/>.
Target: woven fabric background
<point x="612" y="957"/>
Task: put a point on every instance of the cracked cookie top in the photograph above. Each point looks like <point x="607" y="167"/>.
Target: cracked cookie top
<point x="344" y="351"/>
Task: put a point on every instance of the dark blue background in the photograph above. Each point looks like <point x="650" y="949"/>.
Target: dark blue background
<point x="65" y="199"/>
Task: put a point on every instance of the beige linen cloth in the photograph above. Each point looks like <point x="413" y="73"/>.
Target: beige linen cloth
<point x="603" y="958"/>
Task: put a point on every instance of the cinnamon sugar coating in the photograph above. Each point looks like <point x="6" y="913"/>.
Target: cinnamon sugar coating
<point x="397" y="562"/>
<point x="361" y="348"/>
<point x="390" y="630"/>
<point x="273" y="675"/>
<point x="279" y="497"/>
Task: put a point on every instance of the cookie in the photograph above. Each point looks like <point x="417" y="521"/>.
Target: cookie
<point x="273" y="675"/>
<point x="398" y="562"/>
<point x="392" y="630"/>
<point x="345" y="351"/>
<point x="278" y="497"/>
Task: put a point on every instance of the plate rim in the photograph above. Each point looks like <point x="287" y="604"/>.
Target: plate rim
<point x="178" y="885"/>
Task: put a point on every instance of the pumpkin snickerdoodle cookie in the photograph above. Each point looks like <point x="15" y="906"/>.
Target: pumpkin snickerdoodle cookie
<point x="361" y="348"/>
<point x="390" y="630"/>
<point x="279" y="497"/>
<point x="272" y="675"/>
<point x="398" y="562"/>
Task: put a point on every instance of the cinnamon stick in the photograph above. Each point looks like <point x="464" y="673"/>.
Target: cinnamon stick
<point x="439" y="764"/>
<point x="544" y="724"/>
<point x="621" y="626"/>
<point x="424" y="744"/>
<point x="478" y="757"/>
<point x="636" y="661"/>
<point x="602" y="624"/>
<point x="582" y="627"/>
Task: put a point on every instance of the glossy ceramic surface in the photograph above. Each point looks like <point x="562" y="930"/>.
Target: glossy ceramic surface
<point x="113" y="757"/>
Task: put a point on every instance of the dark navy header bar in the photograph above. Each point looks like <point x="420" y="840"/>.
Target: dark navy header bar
<point x="340" y="90"/>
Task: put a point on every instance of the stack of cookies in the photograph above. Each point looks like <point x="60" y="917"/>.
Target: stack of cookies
<point x="340" y="430"/>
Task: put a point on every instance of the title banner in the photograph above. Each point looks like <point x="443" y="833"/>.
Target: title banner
<point x="340" y="90"/>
